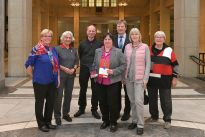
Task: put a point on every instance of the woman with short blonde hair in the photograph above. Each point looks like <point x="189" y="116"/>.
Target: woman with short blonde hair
<point x="136" y="77"/>
<point x="137" y="32"/>
<point x="42" y="66"/>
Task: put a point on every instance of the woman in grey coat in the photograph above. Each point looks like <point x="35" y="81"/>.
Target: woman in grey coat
<point x="68" y="60"/>
<point x="108" y="69"/>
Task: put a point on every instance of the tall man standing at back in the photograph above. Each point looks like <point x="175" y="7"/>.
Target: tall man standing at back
<point x="121" y="40"/>
<point x="86" y="52"/>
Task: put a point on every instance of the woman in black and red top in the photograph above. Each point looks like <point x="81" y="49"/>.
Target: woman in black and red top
<point x="163" y="75"/>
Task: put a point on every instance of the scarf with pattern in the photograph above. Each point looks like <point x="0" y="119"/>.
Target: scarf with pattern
<point x="40" y="49"/>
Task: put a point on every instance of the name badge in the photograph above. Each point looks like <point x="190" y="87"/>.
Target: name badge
<point x="103" y="72"/>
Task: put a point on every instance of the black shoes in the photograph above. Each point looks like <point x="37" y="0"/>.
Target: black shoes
<point x="96" y="115"/>
<point x="104" y="125"/>
<point x="113" y="127"/>
<point x="79" y="113"/>
<point x="140" y="131"/>
<point x="125" y="117"/>
<point x="58" y="121"/>
<point x="44" y="128"/>
<point x="67" y="118"/>
<point x="132" y="126"/>
<point x="50" y="126"/>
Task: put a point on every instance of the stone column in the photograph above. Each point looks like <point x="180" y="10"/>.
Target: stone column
<point x="165" y="20"/>
<point x="144" y="29"/>
<point x="121" y="12"/>
<point x="76" y="25"/>
<point x="186" y="35"/>
<point x="19" y="35"/>
<point x="2" y="43"/>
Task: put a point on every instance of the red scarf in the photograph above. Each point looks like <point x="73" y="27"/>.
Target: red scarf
<point x="39" y="49"/>
<point x="64" y="46"/>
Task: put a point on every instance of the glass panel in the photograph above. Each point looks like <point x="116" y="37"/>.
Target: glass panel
<point x="98" y="3"/>
<point x="106" y="3"/>
<point x="84" y="3"/>
<point x="113" y="3"/>
<point x="91" y="3"/>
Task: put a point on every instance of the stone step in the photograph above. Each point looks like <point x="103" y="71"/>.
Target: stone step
<point x="176" y="93"/>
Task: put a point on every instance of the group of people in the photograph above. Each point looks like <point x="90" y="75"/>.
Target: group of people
<point x="119" y="61"/>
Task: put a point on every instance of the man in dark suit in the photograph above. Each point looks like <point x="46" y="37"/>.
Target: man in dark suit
<point x="121" y="40"/>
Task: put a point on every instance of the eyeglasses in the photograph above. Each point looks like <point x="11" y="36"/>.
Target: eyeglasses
<point x="47" y="36"/>
<point x="159" y="37"/>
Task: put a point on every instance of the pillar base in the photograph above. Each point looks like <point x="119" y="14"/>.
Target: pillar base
<point x="2" y="85"/>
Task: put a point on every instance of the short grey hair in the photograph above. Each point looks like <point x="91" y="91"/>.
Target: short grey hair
<point x="135" y="31"/>
<point x="67" y="33"/>
<point x="160" y="34"/>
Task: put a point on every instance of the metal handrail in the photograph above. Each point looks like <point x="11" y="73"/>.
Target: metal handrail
<point x="200" y="61"/>
<point x="197" y="60"/>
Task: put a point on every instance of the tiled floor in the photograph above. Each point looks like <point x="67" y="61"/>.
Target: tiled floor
<point x="17" y="112"/>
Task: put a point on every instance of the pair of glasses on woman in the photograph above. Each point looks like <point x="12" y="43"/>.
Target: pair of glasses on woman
<point x="47" y="36"/>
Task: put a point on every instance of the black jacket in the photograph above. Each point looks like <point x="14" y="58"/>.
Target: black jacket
<point x="126" y="42"/>
<point x="86" y="51"/>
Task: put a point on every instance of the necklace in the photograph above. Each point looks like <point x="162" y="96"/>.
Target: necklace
<point x="107" y="50"/>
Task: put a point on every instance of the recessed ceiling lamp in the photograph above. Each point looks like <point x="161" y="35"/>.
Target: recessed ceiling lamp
<point x="122" y="3"/>
<point x="74" y="3"/>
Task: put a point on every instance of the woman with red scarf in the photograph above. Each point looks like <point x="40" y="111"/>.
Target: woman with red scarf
<point x="68" y="60"/>
<point x="42" y="66"/>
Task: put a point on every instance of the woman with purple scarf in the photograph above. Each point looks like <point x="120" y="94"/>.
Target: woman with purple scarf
<point x="42" y="66"/>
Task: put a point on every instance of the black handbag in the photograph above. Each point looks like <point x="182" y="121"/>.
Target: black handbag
<point x="146" y="98"/>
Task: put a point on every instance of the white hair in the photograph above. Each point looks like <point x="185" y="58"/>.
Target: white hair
<point x="160" y="34"/>
<point x="67" y="33"/>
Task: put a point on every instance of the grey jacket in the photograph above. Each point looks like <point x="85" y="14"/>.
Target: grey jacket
<point x="117" y="63"/>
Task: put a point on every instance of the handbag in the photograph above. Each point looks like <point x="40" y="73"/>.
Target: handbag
<point x="146" y="98"/>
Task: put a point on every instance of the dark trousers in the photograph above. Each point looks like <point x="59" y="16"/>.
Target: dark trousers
<point x="165" y="100"/>
<point x="83" y="80"/>
<point x="66" y="88"/>
<point x="127" y="101"/>
<point x="44" y="92"/>
<point x="109" y="101"/>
